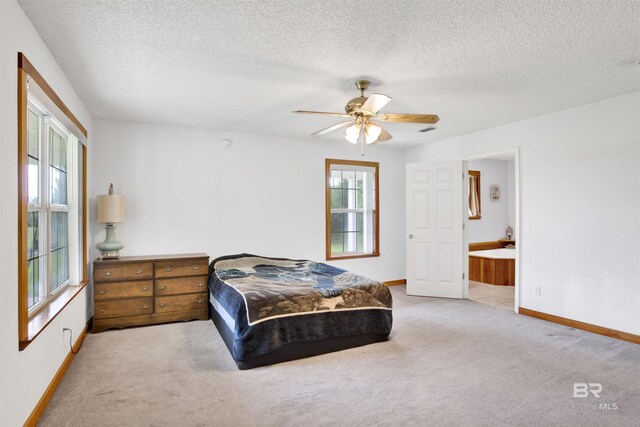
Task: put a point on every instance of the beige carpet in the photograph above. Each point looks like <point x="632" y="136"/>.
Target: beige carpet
<point x="449" y="362"/>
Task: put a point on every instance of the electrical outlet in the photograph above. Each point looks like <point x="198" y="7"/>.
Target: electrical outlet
<point x="538" y="291"/>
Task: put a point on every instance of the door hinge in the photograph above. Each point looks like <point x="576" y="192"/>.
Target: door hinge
<point x="462" y="175"/>
<point x="462" y="276"/>
<point x="463" y="225"/>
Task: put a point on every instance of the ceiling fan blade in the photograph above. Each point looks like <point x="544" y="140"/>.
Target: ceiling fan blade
<point x="384" y="135"/>
<point x="375" y="103"/>
<point x="321" y="112"/>
<point x="331" y="128"/>
<point x="409" y="118"/>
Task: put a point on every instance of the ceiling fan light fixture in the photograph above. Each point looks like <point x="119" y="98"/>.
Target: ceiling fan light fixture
<point x="352" y="133"/>
<point x="372" y="133"/>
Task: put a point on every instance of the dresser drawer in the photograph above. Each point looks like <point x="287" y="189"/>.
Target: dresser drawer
<point x="181" y="285"/>
<point x="139" y="288"/>
<point x="181" y="302"/>
<point x="124" y="307"/>
<point x="193" y="267"/>
<point x="142" y="270"/>
<point x="102" y="274"/>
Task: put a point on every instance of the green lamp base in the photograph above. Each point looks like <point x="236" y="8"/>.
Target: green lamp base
<point x="110" y="248"/>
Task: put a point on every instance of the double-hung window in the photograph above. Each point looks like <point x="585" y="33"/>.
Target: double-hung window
<point x="352" y="226"/>
<point x="50" y="153"/>
<point x="52" y="220"/>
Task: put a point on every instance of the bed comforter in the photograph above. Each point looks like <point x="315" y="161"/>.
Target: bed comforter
<point x="270" y="302"/>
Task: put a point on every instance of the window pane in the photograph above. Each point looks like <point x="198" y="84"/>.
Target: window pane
<point x="359" y="180"/>
<point x="349" y="179"/>
<point x="35" y="257"/>
<point x="336" y="179"/>
<point x="35" y="280"/>
<point x="58" y="168"/>
<point x="59" y="267"/>
<point x="53" y="270"/>
<point x="33" y="180"/>
<point x="33" y="235"/>
<point x="58" y="150"/>
<point x="54" y="230"/>
<point x="360" y="221"/>
<point x="360" y="241"/>
<point x="32" y="281"/>
<point x="33" y="134"/>
<point x="33" y="151"/>
<point x="336" y="198"/>
<point x="58" y="186"/>
<point x="336" y="222"/>
<point x="63" y="262"/>
<point x="336" y="243"/>
<point x="63" y="229"/>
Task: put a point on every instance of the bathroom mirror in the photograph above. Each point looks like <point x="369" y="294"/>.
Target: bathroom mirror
<point x="474" y="195"/>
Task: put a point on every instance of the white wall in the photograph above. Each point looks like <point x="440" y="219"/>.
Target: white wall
<point x="25" y="375"/>
<point x="580" y="207"/>
<point x="264" y="195"/>
<point x="495" y="214"/>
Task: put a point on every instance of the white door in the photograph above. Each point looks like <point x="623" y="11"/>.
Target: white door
<point x="437" y="254"/>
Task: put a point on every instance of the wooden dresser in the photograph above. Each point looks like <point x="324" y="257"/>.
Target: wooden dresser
<point x="134" y="291"/>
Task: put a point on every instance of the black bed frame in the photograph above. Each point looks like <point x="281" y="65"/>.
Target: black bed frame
<point x="291" y="351"/>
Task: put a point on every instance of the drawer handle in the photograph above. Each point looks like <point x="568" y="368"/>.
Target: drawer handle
<point x="168" y="269"/>
<point x="102" y="310"/>
<point x="108" y="273"/>
<point x="138" y="271"/>
<point x="162" y="288"/>
<point x="195" y="267"/>
<point x="162" y="304"/>
<point x="200" y="300"/>
<point x="145" y="306"/>
<point x="101" y="292"/>
<point x="145" y="288"/>
<point x="200" y="285"/>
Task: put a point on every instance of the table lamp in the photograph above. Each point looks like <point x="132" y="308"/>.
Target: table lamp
<point x="110" y="211"/>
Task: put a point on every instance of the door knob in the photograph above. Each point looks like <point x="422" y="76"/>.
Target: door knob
<point x="411" y="236"/>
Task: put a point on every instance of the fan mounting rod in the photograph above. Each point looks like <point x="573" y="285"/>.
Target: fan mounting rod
<point x="362" y="85"/>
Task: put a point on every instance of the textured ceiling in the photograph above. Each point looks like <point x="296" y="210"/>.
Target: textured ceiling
<point x="244" y="65"/>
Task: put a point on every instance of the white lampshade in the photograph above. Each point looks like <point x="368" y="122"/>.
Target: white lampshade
<point x="352" y="133"/>
<point x="372" y="132"/>
<point x="110" y="208"/>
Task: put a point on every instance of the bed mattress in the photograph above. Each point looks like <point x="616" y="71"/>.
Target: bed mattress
<point x="275" y="309"/>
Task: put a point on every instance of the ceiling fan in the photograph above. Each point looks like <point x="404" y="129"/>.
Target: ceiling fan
<point x="364" y="118"/>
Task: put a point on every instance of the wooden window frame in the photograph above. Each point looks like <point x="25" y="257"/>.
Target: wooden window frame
<point x="30" y="327"/>
<point x="376" y="209"/>
<point x="477" y="175"/>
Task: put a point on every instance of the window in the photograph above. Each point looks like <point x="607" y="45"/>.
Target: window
<point x="51" y="204"/>
<point x="474" y="195"/>
<point x="50" y="153"/>
<point x="352" y="214"/>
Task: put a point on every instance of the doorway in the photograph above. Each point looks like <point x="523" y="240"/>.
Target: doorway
<point x="494" y="229"/>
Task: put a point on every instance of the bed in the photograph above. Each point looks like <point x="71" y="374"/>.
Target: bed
<point x="272" y="310"/>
